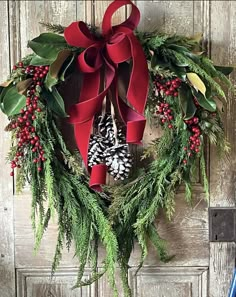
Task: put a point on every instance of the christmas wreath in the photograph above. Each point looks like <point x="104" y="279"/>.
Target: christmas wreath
<point x="103" y="85"/>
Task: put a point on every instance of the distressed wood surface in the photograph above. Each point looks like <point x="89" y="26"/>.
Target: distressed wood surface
<point x="187" y="234"/>
<point x="223" y="177"/>
<point x="170" y="282"/>
<point x="7" y="272"/>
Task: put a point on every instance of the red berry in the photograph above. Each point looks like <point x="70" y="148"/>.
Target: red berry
<point x="35" y="160"/>
<point x="163" y="121"/>
<point x="14" y="67"/>
<point x="185" y="148"/>
<point x="167" y="93"/>
<point x="39" y="109"/>
<point x="46" y="68"/>
<point x="39" y="168"/>
<point x="170" y="126"/>
<point x="12" y="173"/>
<point x="185" y="161"/>
<point x="33" y="117"/>
<point x="20" y="64"/>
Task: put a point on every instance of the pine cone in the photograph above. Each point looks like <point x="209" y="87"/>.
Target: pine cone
<point x="106" y="129"/>
<point x="119" y="161"/>
<point x="97" y="146"/>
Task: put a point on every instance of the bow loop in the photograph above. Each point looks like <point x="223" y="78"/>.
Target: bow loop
<point x="132" y="21"/>
<point x="77" y="34"/>
<point x="90" y="60"/>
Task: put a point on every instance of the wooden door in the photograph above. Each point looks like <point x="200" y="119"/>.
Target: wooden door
<point x="200" y="268"/>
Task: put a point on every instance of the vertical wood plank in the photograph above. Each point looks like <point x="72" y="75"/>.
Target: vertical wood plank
<point x="7" y="271"/>
<point x="26" y="16"/>
<point x="167" y="16"/>
<point x="222" y="177"/>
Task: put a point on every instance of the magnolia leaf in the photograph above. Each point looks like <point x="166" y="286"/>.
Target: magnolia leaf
<point x="13" y="102"/>
<point x="207" y="103"/>
<point x="6" y="83"/>
<point x="178" y="48"/>
<point x="52" y="76"/>
<point x="197" y="82"/>
<point x="198" y="53"/>
<point x="225" y="70"/>
<point x="56" y="65"/>
<point x="66" y="67"/>
<point x="197" y="37"/>
<point x="179" y="71"/>
<point x="219" y="104"/>
<point x="186" y="102"/>
<point x="55" y="102"/>
<point x="39" y="61"/>
<point x="151" y="52"/>
<point x="48" y="45"/>
<point x="23" y="85"/>
<point x="3" y="91"/>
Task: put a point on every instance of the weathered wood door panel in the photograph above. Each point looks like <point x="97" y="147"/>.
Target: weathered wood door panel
<point x="199" y="269"/>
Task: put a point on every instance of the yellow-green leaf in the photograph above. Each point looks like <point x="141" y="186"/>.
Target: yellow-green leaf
<point x="197" y="82"/>
<point x="197" y="37"/>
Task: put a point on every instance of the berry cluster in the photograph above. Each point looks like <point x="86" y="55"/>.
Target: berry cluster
<point x="194" y="139"/>
<point x="165" y="114"/>
<point x="167" y="86"/>
<point x="25" y="130"/>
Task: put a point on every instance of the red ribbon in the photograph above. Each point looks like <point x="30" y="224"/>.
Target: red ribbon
<point x="99" y="63"/>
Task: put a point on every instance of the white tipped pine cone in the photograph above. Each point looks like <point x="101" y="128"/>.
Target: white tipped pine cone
<point x="119" y="161"/>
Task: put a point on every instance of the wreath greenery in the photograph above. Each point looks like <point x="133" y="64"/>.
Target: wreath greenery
<point x="185" y="100"/>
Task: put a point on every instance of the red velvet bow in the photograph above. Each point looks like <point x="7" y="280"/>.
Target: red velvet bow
<point x="99" y="63"/>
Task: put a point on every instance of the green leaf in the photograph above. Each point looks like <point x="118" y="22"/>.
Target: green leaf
<point x="179" y="71"/>
<point x="178" y="48"/>
<point x="39" y="61"/>
<point x="48" y="45"/>
<point x="207" y="103"/>
<point x="156" y="61"/>
<point x="225" y="70"/>
<point x="55" y="102"/>
<point x="186" y="102"/>
<point x="66" y="67"/>
<point x="13" y="102"/>
<point x="3" y="91"/>
<point x="52" y="76"/>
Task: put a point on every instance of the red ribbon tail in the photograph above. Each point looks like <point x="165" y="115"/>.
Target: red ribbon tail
<point x="98" y="177"/>
<point x="135" y="122"/>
